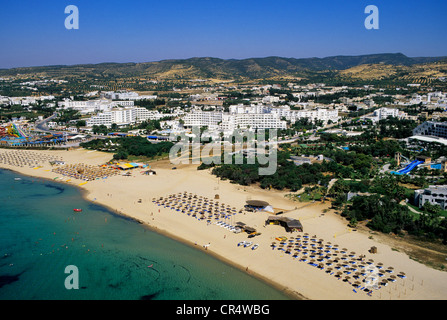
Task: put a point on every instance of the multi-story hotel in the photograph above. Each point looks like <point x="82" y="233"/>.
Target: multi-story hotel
<point x="256" y="116"/>
<point x="91" y="106"/>
<point x="124" y="116"/>
<point x="231" y="121"/>
<point x="431" y="128"/>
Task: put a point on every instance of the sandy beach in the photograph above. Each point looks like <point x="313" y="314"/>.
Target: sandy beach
<point x="134" y="196"/>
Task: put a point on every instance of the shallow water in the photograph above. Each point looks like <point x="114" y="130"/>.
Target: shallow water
<point x="116" y="257"/>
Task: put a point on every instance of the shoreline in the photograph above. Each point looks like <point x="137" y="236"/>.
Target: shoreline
<point x="293" y="295"/>
<point x="295" y="279"/>
<point x="287" y="291"/>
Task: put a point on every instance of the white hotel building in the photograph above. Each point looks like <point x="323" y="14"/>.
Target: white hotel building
<point x="256" y="117"/>
<point x="384" y="113"/>
<point x="290" y="115"/>
<point x="91" y="106"/>
<point x="124" y="116"/>
<point x="126" y="95"/>
<point x="228" y="121"/>
<point x="313" y="115"/>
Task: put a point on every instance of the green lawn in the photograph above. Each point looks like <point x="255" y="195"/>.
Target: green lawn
<point x="442" y="213"/>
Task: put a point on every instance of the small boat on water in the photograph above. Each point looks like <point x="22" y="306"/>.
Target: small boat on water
<point x="77" y="210"/>
<point x="17" y="179"/>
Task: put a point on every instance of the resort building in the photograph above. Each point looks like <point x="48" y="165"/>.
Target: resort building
<point x="202" y="119"/>
<point x="231" y="121"/>
<point x="436" y="195"/>
<point x="254" y="121"/>
<point x="431" y="128"/>
<point x="91" y="106"/>
<point x="384" y="113"/>
<point x="255" y="116"/>
<point x="124" y="116"/>
<point x="318" y="114"/>
<point x="125" y="95"/>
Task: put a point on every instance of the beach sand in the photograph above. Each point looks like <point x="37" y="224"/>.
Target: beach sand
<point x="132" y="196"/>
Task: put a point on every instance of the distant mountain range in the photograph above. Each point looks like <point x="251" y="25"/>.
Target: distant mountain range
<point x="242" y="69"/>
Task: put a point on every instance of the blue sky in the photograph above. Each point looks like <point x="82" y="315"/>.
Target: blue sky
<point x="32" y="33"/>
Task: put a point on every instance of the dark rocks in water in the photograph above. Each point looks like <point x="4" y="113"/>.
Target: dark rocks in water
<point x="8" y="279"/>
<point x="150" y="296"/>
<point x="56" y="187"/>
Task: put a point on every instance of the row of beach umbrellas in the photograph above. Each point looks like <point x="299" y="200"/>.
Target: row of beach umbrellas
<point x="26" y="158"/>
<point x="340" y="262"/>
<point x="84" y="171"/>
<point x="195" y="205"/>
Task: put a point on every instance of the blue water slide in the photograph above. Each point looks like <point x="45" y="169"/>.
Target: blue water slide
<point x="408" y="168"/>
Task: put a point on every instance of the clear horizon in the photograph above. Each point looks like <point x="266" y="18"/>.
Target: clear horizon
<point x="146" y="31"/>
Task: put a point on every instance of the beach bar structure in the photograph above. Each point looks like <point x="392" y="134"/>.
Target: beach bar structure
<point x="244" y="227"/>
<point x="127" y="166"/>
<point x="258" y="205"/>
<point x="288" y="223"/>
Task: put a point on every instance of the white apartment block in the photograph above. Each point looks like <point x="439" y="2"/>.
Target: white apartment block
<point x="431" y="128"/>
<point x="142" y="114"/>
<point x="384" y="113"/>
<point x="252" y="121"/>
<point x="202" y="119"/>
<point x="313" y="115"/>
<point x="125" y="95"/>
<point x="254" y="108"/>
<point x="91" y="106"/>
<point x="270" y="99"/>
<point x="256" y="117"/>
<point x="119" y="95"/>
<point x="231" y="121"/>
<point x="124" y="116"/>
<point x="285" y="112"/>
<point x="316" y="114"/>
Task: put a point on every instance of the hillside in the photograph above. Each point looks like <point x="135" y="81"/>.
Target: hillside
<point x="361" y="67"/>
<point x="417" y="73"/>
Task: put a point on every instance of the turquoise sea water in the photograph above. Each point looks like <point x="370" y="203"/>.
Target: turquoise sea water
<point x="117" y="258"/>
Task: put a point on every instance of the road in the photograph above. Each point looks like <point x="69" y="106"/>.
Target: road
<point x="42" y="125"/>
